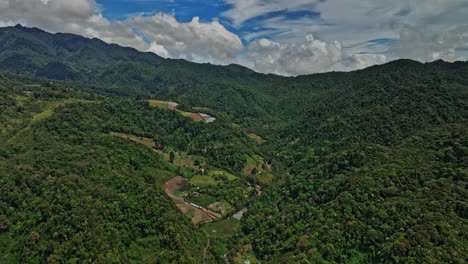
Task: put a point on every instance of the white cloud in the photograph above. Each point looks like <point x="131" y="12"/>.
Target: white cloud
<point x="313" y="55"/>
<point x="277" y="45"/>
<point x="159" y="50"/>
<point x="360" y="61"/>
<point x="211" y="41"/>
<point x="243" y="10"/>
<point x="355" y="24"/>
<point x="423" y="46"/>
<point x="362" y="20"/>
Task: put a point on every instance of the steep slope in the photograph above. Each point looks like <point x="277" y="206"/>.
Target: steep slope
<point x="74" y="193"/>
<point x="401" y="204"/>
<point x="378" y="172"/>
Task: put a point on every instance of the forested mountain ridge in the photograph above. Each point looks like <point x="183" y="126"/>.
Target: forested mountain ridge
<point x="234" y="89"/>
<point x="244" y="94"/>
<point x="113" y="69"/>
<point x="368" y="166"/>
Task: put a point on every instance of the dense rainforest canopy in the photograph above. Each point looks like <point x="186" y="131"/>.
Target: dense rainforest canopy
<point x="360" y="167"/>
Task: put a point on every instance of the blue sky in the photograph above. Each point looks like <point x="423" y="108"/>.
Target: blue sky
<point x="184" y="10"/>
<point x="207" y="10"/>
<point x="287" y="37"/>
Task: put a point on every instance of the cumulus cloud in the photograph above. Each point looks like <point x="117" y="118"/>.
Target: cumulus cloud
<point x="422" y="46"/>
<point x="313" y="55"/>
<point x="350" y="31"/>
<point x="159" y="50"/>
<point x="211" y="41"/>
<point x="360" y="61"/>
<point x="359" y="21"/>
<point x="160" y="33"/>
<point x="369" y="32"/>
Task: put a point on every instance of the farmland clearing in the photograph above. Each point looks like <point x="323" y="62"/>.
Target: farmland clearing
<point x="222" y="229"/>
<point x="197" y="213"/>
<point x="199" y="117"/>
<point x="211" y="178"/>
<point x="181" y="159"/>
<point x="255" y="167"/>
<point x="148" y="142"/>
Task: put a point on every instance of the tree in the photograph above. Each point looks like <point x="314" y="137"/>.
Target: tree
<point x="171" y="157"/>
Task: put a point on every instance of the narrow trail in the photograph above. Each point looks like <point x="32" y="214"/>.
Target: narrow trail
<point x="205" y="250"/>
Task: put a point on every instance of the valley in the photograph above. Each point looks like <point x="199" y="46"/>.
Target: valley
<point x="111" y="155"/>
<point x="187" y="193"/>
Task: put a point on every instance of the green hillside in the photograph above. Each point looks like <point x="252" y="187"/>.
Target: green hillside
<point x="73" y="193"/>
<point x="359" y="167"/>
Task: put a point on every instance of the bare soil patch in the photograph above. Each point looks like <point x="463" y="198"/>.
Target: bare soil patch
<point x="175" y="184"/>
<point x="198" y="214"/>
<point x="173" y="106"/>
<point x="194" y="116"/>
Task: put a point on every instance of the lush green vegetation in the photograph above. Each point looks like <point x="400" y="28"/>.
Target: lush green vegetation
<point x="203" y="200"/>
<point x="74" y="193"/>
<point x="361" y="167"/>
<point x="403" y="203"/>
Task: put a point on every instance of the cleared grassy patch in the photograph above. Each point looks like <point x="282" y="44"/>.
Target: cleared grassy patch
<point x="211" y="178"/>
<point x="221" y="207"/>
<point x="203" y="180"/>
<point x="256" y="168"/>
<point x="49" y="107"/>
<point x="221" y="175"/>
<point x="222" y="229"/>
<point x="152" y="175"/>
<point x="158" y="103"/>
<point x="21" y="100"/>
<point x="251" y="163"/>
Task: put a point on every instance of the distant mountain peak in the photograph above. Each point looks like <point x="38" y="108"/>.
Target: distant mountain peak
<point x="27" y="29"/>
